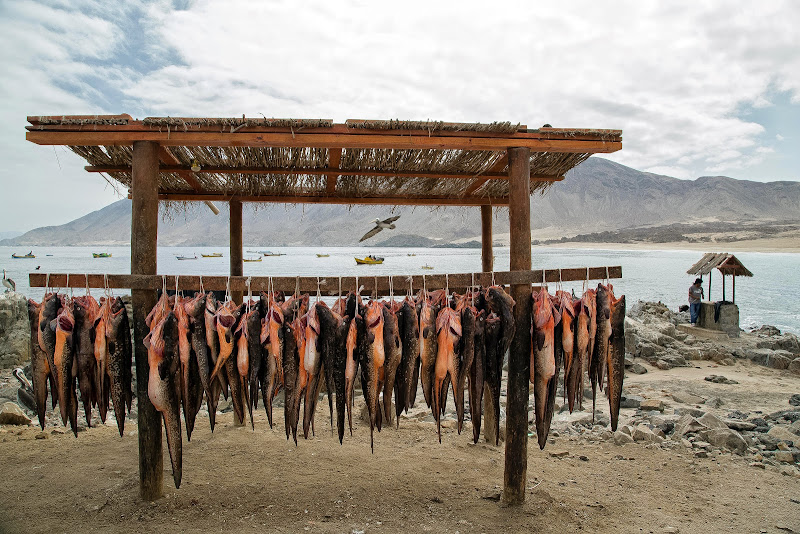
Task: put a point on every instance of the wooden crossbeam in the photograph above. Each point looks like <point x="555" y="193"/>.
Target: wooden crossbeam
<point x="314" y="171"/>
<point x="328" y="285"/>
<point x="392" y="140"/>
<point x="334" y="162"/>
<point x="187" y="196"/>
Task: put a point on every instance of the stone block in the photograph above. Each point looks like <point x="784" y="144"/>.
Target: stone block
<point x="688" y="398"/>
<point x="727" y="438"/>
<point x="11" y="414"/>
<point x="652" y="404"/>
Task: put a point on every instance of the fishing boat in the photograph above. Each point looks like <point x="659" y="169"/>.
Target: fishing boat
<point x="186" y="257"/>
<point x="270" y="253"/>
<point x="323" y="255"/>
<point x="410" y="254"/>
<point x="426" y="266"/>
<point x="252" y="259"/>
<point x="19" y="257"/>
<point x="212" y="255"/>
<point x="101" y="254"/>
<point x="369" y="260"/>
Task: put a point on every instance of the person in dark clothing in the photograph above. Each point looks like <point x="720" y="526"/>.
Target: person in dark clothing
<point x="695" y="296"/>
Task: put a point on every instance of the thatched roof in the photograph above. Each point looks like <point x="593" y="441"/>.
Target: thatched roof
<point x="302" y="160"/>
<point x="724" y="262"/>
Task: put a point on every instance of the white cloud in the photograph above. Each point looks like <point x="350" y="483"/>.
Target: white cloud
<point x="672" y="77"/>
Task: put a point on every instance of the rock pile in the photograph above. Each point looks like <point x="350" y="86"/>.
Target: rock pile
<point x="15" y="332"/>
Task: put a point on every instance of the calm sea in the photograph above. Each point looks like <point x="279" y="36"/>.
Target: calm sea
<point x="655" y="275"/>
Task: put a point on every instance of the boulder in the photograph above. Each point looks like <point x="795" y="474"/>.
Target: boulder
<point x="794" y="400"/>
<point x="781" y="432"/>
<point x="14" y="330"/>
<point x="728" y="439"/>
<point x="664" y="365"/>
<point x="687" y="398"/>
<point x="780" y="361"/>
<point x="630" y="401"/>
<point x="693" y="412"/>
<point x="644" y="433"/>
<point x="687" y="424"/>
<point x="784" y="457"/>
<point x="739" y="425"/>
<point x="621" y="438"/>
<point x="639" y="369"/>
<point x="11" y="414"/>
<point x="652" y="404"/>
<point x="712" y="422"/>
<point x="794" y="366"/>
<point x="715" y="402"/>
<point x="794" y="428"/>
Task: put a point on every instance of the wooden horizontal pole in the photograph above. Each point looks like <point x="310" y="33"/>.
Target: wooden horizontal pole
<point x="329" y="285"/>
<point x="348" y="140"/>
<point x="584" y="134"/>
<point x="184" y="196"/>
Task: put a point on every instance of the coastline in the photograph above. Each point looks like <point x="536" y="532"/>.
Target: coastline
<point x="781" y="244"/>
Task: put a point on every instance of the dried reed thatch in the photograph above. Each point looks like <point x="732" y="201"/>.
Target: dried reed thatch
<point x="472" y="164"/>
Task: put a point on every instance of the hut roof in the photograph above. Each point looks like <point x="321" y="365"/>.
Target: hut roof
<point x="315" y="160"/>
<point x="724" y="262"/>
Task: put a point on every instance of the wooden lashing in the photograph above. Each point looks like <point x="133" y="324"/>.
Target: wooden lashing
<point x="144" y="236"/>
<point x="237" y="264"/>
<point x="516" y="456"/>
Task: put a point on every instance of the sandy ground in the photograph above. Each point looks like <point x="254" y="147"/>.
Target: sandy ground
<point x="239" y="480"/>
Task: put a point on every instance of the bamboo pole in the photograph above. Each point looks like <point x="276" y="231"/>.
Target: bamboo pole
<point x="144" y="244"/>
<point x="516" y="455"/>
<point x="237" y="265"/>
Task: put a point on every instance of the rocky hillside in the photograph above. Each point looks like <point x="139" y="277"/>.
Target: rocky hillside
<point x="597" y="196"/>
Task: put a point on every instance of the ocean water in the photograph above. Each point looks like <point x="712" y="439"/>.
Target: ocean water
<point x="770" y="297"/>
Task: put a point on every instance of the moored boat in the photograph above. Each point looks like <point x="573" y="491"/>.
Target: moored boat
<point x="323" y="255"/>
<point x="369" y="260"/>
<point x="212" y="255"/>
<point x="19" y="257"/>
<point x="251" y="259"/>
<point x="101" y="254"/>
<point x="186" y="257"/>
<point x="426" y="266"/>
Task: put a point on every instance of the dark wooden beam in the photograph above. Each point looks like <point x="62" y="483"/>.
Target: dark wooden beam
<point x="391" y="140"/>
<point x="324" y="199"/>
<point x="516" y="456"/>
<point x="144" y="245"/>
<point x="487" y="256"/>
<point x="329" y="286"/>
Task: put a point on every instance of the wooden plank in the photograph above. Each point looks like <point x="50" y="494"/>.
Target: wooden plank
<point x="394" y="141"/>
<point x="315" y="171"/>
<point x="328" y="285"/>
<point x="334" y="162"/>
<point x="144" y="244"/>
<point x="324" y="199"/>
<point x="516" y="453"/>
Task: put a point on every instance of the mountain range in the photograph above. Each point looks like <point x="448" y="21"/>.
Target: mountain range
<point x="597" y="197"/>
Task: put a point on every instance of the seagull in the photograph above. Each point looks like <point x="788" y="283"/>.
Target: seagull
<point x="380" y="225"/>
<point x="9" y="283"/>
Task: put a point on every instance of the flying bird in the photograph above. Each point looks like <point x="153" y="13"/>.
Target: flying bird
<point x="380" y="225"/>
<point x="9" y="283"/>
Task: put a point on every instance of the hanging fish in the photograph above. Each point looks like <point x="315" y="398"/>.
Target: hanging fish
<point x="40" y="368"/>
<point x="85" y="310"/>
<point x="410" y="361"/>
<point x="256" y="356"/>
<point x="601" y="341"/>
<point x="356" y="352"/>
<point x="195" y="308"/>
<point x="241" y="374"/>
<point x="120" y="359"/>
<point x="162" y="386"/>
<point x="333" y="332"/>
<point x="101" y="357"/>
<point x="573" y="375"/>
<point x="494" y="368"/>
<point x="502" y="305"/>
<point x="467" y="355"/>
<point x="301" y="381"/>
<point x="591" y="362"/>
<point x="218" y="384"/>
<point x="64" y="356"/>
<point x="543" y="363"/>
<point x="372" y="366"/>
<point x="427" y="349"/>
<point x="477" y="371"/>
<point x="616" y="357"/>
<point x="272" y="338"/>
<point x="312" y="363"/>
<point x="393" y="351"/>
<point x="291" y="364"/>
<point x="448" y="328"/>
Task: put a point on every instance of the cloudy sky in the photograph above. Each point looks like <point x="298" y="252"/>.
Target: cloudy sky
<point x="698" y="88"/>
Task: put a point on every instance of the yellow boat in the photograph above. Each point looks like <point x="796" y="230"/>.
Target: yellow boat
<point x="323" y="255"/>
<point x="101" y="254"/>
<point x="212" y="255"/>
<point x="426" y="266"/>
<point x="254" y="259"/>
<point x="369" y="260"/>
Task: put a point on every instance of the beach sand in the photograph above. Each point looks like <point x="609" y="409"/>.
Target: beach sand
<point x="239" y="480"/>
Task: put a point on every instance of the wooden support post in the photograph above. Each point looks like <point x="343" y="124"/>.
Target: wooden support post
<point x="709" y="285"/>
<point x="487" y="265"/>
<point x="144" y="244"/>
<point x="723" y="286"/>
<point x="487" y="257"/>
<point x="237" y="265"/>
<point x="734" y="289"/>
<point x="516" y="457"/>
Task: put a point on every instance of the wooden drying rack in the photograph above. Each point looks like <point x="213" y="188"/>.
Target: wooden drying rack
<point x="327" y="285"/>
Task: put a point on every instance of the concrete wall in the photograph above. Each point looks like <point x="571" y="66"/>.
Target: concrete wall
<point x="728" y="318"/>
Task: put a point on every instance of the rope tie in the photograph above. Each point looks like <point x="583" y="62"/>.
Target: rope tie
<point x="249" y="292"/>
<point x="88" y="292"/>
<point x="47" y="283"/>
<point x="493" y="278"/>
<point x="608" y="280"/>
<point x="357" y="290"/>
<point x="177" y="277"/>
<point x="391" y="289"/>
<point x="202" y="289"/>
<point x="340" y="287"/>
<point x="410" y="286"/>
<point x="472" y="289"/>
<point x="446" y="285"/>
<point x="424" y="287"/>
<point x="297" y="286"/>
<point x="70" y="290"/>
<point x="105" y="285"/>
<point x="228" y="289"/>
<point x="376" y="288"/>
<point x="319" y="294"/>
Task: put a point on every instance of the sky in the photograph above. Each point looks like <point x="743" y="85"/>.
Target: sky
<point x="698" y="88"/>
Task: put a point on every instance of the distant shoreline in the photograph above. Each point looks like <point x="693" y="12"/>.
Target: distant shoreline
<point x="781" y="244"/>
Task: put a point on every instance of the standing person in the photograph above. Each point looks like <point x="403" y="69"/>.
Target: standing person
<point x="695" y="296"/>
